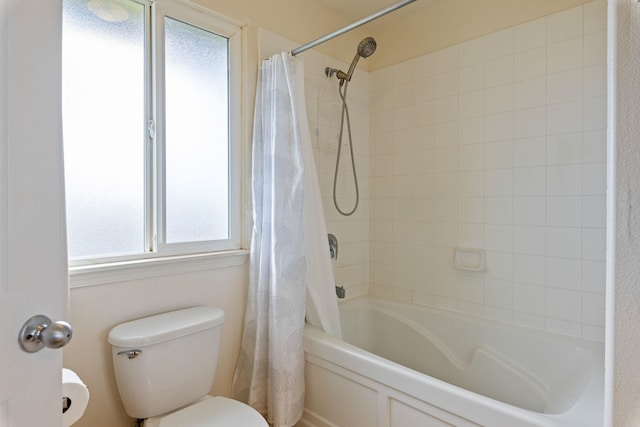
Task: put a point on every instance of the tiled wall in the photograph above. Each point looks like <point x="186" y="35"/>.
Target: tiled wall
<point x="324" y="109"/>
<point x="498" y="144"/>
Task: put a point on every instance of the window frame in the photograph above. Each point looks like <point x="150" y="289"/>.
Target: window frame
<point x="154" y="142"/>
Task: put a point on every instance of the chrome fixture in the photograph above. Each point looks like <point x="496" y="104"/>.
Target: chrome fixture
<point x="365" y="49"/>
<point x="351" y="26"/>
<point x="333" y="246"/>
<point x="340" y="292"/>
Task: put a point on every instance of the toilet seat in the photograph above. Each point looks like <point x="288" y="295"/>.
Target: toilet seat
<point x="211" y="412"/>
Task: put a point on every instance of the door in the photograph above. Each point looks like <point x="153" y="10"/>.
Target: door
<point x="33" y="269"/>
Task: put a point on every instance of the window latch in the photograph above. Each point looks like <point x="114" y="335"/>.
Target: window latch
<point x="151" y="128"/>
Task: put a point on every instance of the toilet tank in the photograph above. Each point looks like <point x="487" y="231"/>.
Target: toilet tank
<point x="166" y="361"/>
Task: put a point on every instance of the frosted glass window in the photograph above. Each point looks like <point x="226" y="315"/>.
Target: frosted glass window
<point x="197" y="134"/>
<point x="103" y="126"/>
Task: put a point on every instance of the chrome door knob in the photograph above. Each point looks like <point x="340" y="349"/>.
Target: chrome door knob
<point x="40" y="331"/>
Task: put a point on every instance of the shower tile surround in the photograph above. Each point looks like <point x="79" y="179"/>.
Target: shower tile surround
<point x="497" y="143"/>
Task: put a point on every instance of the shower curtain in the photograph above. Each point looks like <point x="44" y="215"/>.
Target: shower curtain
<point x="290" y="273"/>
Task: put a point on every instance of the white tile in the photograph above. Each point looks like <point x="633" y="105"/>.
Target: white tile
<point x="499" y="127"/>
<point x="471" y="288"/>
<point x="499" y="44"/>
<point x="446" y="159"/>
<point x="565" y="86"/>
<point x="471" y="184"/>
<point x="403" y="73"/>
<point x="498" y="238"/>
<point x="530" y="269"/>
<point x="529" y="240"/>
<point x="564" y="273"/>
<point x="594" y="244"/>
<point x="564" y="211"/>
<point x="470" y="235"/>
<point x="529" y="152"/>
<point x="471" y="210"/>
<point x="564" y="149"/>
<point x="446" y="59"/>
<point x="594" y="276"/>
<point x="498" y="155"/>
<point x="529" y="298"/>
<point x="498" y="182"/>
<point x="565" y="55"/>
<point x="594" y="176"/>
<point x="499" y="265"/>
<point x="471" y="78"/>
<point x="529" y="181"/>
<point x="445" y="134"/>
<point x="593" y="306"/>
<point x="403" y="95"/>
<point x="594" y="211"/>
<point x="498" y="313"/>
<point x="424" y="66"/>
<point x="594" y="80"/>
<point x="563" y="327"/>
<point x="425" y="89"/>
<point x="445" y="110"/>
<point x="530" y="93"/>
<point x="499" y="99"/>
<point x="446" y="184"/>
<point x="471" y="52"/>
<point x="499" y="71"/>
<point x="530" y="123"/>
<point x="530" y="35"/>
<point x="595" y="16"/>
<point x="595" y="113"/>
<point x="593" y="333"/>
<point x="529" y="211"/>
<point x="564" y="304"/>
<point x="382" y="78"/>
<point x="564" y="242"/>
<point x="472" y="131"/>
<point x="529" y="320"/>
<point x="446" y="84"/>
<point x="498" y="293"/>
<point x="564" y="118"/>
<point x="471" y="104"/>
<point x="594" y="146"/>
<point x="402" y="117"/>
<point x="498" y="210"/>
<point x="530" y="64"/>
<point x="564" y="25"/>
<point x="564" y="180"/>
<point x="595" y="48"/>
<point x="470" y="157"/>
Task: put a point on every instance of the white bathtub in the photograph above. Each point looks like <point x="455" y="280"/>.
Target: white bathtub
<point x="405" y="365"/>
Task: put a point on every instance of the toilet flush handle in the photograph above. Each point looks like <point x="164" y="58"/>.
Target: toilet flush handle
<point x="131" y="354"/>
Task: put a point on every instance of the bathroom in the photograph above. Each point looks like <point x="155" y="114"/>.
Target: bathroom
<point x="379" y="252"/>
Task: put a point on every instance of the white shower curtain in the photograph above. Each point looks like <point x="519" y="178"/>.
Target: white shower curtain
<point x="289" y="263"/>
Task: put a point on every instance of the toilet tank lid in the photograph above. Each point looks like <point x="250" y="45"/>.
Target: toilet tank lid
<point x="165" y="326"/>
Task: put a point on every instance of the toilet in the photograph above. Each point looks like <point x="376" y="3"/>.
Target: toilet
<point x="165" y="366"/>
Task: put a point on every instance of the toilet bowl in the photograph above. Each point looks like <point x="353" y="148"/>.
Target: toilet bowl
<point x="165" y="366"/>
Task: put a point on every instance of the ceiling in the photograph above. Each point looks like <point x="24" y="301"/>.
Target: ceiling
<point x="358" y="9"/>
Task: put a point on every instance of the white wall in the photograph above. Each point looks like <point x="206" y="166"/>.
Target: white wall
<point x="497" y="143"/>
<point x="623" y="274"/>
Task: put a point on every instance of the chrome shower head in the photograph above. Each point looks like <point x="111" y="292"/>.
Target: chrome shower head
<point x="365" y="49"/>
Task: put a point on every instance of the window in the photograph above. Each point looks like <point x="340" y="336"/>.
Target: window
<point x="150" y="127"/>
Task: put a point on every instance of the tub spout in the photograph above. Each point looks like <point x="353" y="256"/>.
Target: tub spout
<point x="340" y="292"/>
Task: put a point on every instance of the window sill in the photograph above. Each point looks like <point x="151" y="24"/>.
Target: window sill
<point x="102" y="274"/>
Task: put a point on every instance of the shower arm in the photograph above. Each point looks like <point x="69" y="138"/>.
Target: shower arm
<point x="351" y="26"/>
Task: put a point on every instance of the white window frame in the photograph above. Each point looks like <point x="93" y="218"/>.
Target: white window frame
<point x="191" y="14"/>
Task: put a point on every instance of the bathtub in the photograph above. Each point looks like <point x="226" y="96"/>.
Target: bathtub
<point x="405" y="365"/>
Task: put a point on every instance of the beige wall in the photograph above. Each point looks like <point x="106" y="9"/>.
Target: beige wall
<point x="97" y="309"/>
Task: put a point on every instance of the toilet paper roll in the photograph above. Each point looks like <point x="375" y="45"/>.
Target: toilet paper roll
<point x="76" y="395"/>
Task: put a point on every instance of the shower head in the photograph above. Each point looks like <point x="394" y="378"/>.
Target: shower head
<point x="365" y="49"/>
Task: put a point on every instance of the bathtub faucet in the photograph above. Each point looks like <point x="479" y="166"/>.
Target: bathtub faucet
<point x="333" y="246"/>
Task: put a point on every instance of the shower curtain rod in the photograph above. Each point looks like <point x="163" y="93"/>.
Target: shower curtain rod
<point x="350" y="27"/>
